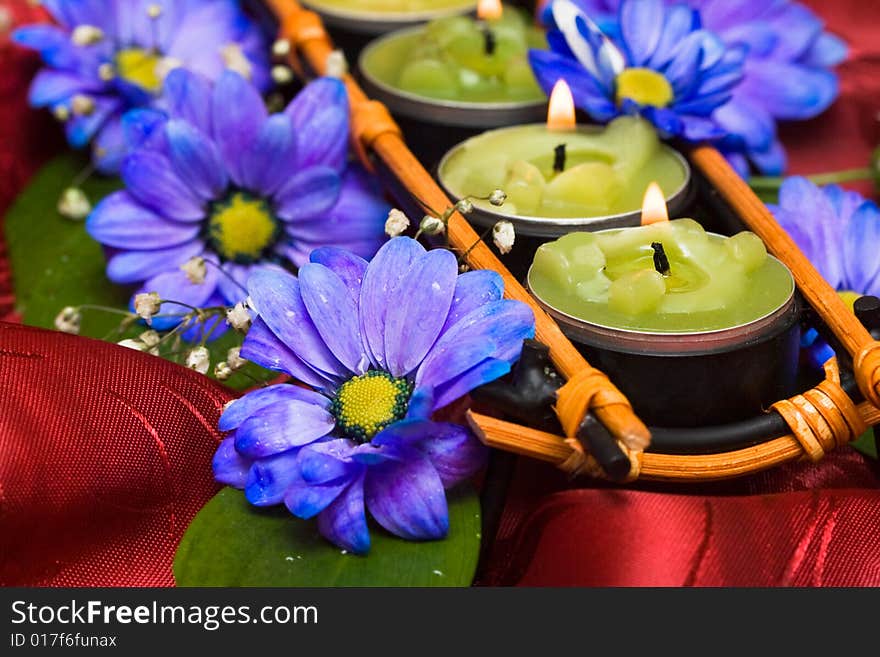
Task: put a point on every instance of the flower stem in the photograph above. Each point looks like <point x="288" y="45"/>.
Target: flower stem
<point x="770" y="184"/>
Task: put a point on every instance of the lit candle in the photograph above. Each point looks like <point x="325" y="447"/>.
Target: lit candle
<point x="460" y="59"/>
<point x="560" y="171"/>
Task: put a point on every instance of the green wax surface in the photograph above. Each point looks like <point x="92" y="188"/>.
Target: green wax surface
<point x="392" y="6"/>
<point x="606" y="173"/>
<point x="447" y="60"/>
<point x="609" y="278"/>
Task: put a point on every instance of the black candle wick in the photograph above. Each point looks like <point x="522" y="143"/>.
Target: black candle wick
<point x="661" y="262"/>
<point x="559" y="156"/>
<point x="489" y="42"/>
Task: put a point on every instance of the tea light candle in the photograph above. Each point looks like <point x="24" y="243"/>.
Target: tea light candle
<point x="379" y="16"/>
<point x="560" y="177"/>
<point x="713" y="317"/>
<point x="457" y="61"/>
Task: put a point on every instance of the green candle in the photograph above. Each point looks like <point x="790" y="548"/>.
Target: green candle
<point x="669" y="277"/>
<point x="604" y="171"/>
<point x="461" y="59"/>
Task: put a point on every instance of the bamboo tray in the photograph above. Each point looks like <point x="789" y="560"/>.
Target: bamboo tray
<point x="591" y="410"/>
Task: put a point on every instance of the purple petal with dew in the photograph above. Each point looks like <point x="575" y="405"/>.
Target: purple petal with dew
<point x="150" y="178"/>
<point x="282" y="426"/>
<point x="790" y="91"/>
<point x="489" y="331"/>
<point x="421" y="404"/>
<point x="334" y="313"/>
<point x="679" y="21"/>
<point x="826" y="51"/>
<point x="238" y="115"/>
<point x="750" y="122"/>
<point x="120" y="221"/>
<point x="135" y="266"/>
<point x="308" y="194"/>
<point x="230" y="467"/>
<point x="454" y="389"/>
<point x="109" y="147"/>
<point x="549" y="68"/>
<point x="384" y="274"/>
<point x="280" y="304"/>
<point x="453" y="450"/>
<point x="187" y="96"/>
<point x="349" y="267"/>
<point x="370" y="455"/>
<point x="845" y="202"/>
<point x="344" y="522"/>
<point x="801" y="199"/>
<point x="320" y="117"/>
<point x="305" y="500"/>
<point x="141" y="129"/>
<point x="417" y="310"/>
<point x="407" y="498"/>
<point x="271" y="159"/>
<point x="641" y="25"/>
<point x="52" y="86"/>
<point x="862" y="261"/>
<point x="81" y="129"/>
<point x="327" y="461"/>
<point x="269" y="479"/>
<point x="244" y="407"/>
<point x="263" y="347"/>
<point x="472" y="290"/>
<point x="772" y="161"/>
<point x="195" y="159"/>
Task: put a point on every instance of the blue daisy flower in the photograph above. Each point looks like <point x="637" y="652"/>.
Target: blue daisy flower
<point x="382" y="345"/>
<point x="786" y="74"/>
<point x="218" y="177"/>
<point x="107" y="56"/>
<point x="663" y="66"/>
<point x="839" y="232"/>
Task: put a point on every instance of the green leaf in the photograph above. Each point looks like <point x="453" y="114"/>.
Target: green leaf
<point x="232" y="543"/>
<point x="866" y="444"/>
<point x="55" y="263"/>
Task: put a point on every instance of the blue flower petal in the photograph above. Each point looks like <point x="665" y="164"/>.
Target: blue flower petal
<point x="81" y="129"/>
<point x="271" y="159"/>
<point x="790" y="91"/>
<point x="327" y="461"/>
<point x="109" y="147"/>
<point x="269" y="479"/>
<point x="344" y="522"/>
<point x="861" y="244"/>
<point x="680" y="20"/>
<point x="51" y="86"/>
<point x="195" y="159"/>
<point x="826" y="51"/>
<point x="282" y="426"/>
<point x="306" y="500"/>
<point x="586" y="91"/>
<point x="407" y="498"/>
<point x="120" y="221"/>
<point x="54" y="47"/>
<point x="349" y="267"/>
<point x="334" y="312"/>
<point x="263" y="347"/>
<point x="417" y="309"/>
<point x="188" y="97"/>
<point x="135" y="266"/>
<point x="308" y="194"/>
<point x="797" y="27"/>
<point x="279" y="303"/>
<point x="150" y="178"/>
<point x="456" y="388"/>
<point x="141" y="128"/>
<point x="472" y="290"/>
<point x="238" y="115"/>
<point x="230" y="467"/>
<point x="641" y="25"/>
<point x="320" y="116"/>
<point x="750" y="122"/>
<point x="242" y="408"/>
<point x="384" y="274"/>
<point x="771" y="161"/>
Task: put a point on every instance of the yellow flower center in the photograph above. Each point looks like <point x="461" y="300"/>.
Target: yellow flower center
<point x="139" y="67"/>
<point x="366" y="404"/>
<point x="849" y="298"/>
<point x="645" y="87"/>
<point x="242" y="228"/>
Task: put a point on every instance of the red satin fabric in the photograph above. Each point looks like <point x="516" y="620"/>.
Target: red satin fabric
<point x="106" y="457"/>
<point x="105" y="452"/>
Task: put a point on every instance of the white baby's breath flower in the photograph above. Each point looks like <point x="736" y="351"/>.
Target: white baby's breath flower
<point x="61" y="112"/>
<point x="498" y="197"/>
<point x="396" y="223"/>
<point x="86" y="35"/>
<point x="222" y="371"/>
<point x="137" y="345"/>
<point x="195" y="270"/>
<point x="281" y="48"/>
<point x="106" y="72"/>
<point x="235" y="60"/>
<point x="82" y="105"/>
<point x="282" y="75"/>
<point x="199" y="359"/>
<point x="154" y="10"/>
<point x="504" y="235"/>
<point x="74" y="204"/>
<point x="464" y="206"/>
<point x="238" y="317"/>
<point x="68" y="320"/>
<point x="431" y="225"/>
<point x="234" y="359"/>
<point x="146" y="305"/>
<point x="151" y="341"/>
<point x="337" y="65"/>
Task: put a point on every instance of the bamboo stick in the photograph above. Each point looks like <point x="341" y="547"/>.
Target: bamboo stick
<point x="549" y="447"/>
<point x="303" y="28"/>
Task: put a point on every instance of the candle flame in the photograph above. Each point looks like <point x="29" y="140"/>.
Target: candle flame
<point x="489" y="10"/>
<point x="654" y="208"/>
<point x="560" y="115"/>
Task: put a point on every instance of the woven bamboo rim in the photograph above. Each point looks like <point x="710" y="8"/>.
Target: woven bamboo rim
<point x="820" y="419"/>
